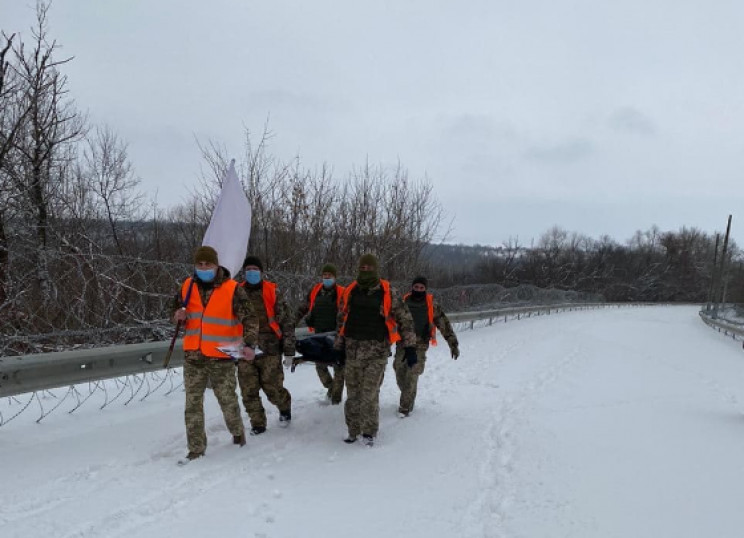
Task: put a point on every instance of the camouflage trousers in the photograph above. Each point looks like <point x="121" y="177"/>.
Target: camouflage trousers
<point x="334" y="383"/>
<point x="365" y="368"/>
<point x="220" y="373"/>
<point x="264" y="373"/>
<point x="407" y="377"/>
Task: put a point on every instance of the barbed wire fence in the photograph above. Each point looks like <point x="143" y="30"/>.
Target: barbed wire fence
<point x="100" y="300"/>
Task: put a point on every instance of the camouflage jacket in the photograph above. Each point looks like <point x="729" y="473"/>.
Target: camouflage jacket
<point x="267" y="340"/>
<point x="444" y="326"/>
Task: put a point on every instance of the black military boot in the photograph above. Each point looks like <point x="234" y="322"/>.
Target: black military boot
<point x="239" y="439"/>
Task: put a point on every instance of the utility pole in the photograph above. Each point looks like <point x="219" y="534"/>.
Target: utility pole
<point x="713" y="273"/>
<point x="719" y="285"/>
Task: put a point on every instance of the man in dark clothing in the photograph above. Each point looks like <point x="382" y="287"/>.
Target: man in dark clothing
<point x="275" y="336"/>
<point x="372" y="318"/>
<point x="320" y="311"/>
<point x="427" y="316"/>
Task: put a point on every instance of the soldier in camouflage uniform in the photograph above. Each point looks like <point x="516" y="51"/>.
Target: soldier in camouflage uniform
<point x="373" y="317"/>
<point x="428" y="316"/>
<point x="275" y="336"/>
<point x="216" y="312"/>
<point x="320" y="311"/>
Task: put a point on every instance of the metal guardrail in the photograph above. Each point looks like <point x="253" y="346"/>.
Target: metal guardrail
<point x="726" y="327"/>
<point x="43" y="371"/>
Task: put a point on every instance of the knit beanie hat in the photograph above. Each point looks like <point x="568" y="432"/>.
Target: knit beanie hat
<point x="369" y="259"/>
<point x="253" y="260"/>
<point x="421" y="280"/>
<point x="205" y="254"/>
<point x="329" y="268"/>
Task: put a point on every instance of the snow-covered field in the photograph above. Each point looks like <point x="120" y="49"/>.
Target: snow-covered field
<point x="606" y="423"/>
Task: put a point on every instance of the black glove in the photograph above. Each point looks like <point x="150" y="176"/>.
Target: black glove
<point x="409" y="354"/>
<point x="339" y="356"/>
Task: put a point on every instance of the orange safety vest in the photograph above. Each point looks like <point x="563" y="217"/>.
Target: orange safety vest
<point x="387" y="305"/>
<point x="215" y="325"/>
<point x="430" y="313"/>
<point x="314" y="293"/>
<point x="268" y="294"/>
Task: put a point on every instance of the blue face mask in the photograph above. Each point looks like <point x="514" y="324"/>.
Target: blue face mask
<point x="206" y="275"/>
<point x="253" y="277"/>
<point x="328" y="282"/>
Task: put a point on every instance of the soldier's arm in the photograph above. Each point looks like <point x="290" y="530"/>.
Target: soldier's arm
<point x="403" y="318"/>
<point x="286" y="321"/>
<point x="444" y="326"/>
<point x="303" y="310"/>
<point x="340" y="342"/>
<point x="174" y="305"/>
<point x="247" y="315"/>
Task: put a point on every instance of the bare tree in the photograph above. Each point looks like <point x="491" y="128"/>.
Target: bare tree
<point x="111" y="178"/>
<point x="52" y="123"/>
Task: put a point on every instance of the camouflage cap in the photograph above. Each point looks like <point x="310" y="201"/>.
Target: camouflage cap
<point x="253" y="260"/>
<point x="205" y="254"/>
<point x="329" y="268"/>
<point x="369" y="259"/>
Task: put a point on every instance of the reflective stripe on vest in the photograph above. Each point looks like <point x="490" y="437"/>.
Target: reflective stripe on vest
<point x="430" y="315"/>
<point x="213" y="326"/>
<point x="387" y="306"/>
<point x="314" y="293"/>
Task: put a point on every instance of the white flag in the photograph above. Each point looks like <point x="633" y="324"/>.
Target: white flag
<point x="230" y="226"/>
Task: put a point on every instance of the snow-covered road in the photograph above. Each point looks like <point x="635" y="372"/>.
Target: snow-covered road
<point x="605" y="423"/>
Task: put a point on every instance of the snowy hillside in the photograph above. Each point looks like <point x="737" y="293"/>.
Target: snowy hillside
<point x="606" y="423"/>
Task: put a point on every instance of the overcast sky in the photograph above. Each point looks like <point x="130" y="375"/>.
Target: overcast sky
<point x="600" y="117"/>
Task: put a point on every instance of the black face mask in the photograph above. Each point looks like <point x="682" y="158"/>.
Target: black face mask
<point x="418" y="295"/>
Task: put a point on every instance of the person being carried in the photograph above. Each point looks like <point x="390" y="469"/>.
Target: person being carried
<point x="428" y="316"/>
<point x="320" y="311"/>
<point x="216" y="312"/>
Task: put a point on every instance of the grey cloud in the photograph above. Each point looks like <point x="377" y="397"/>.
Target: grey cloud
<point x="277" y="98"/>
<point x="566" y="152"/>
<point x="470" y="126"/>
<point x="631" y="120"/>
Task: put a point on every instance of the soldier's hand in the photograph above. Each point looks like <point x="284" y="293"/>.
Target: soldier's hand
<point x="249" y="353"/>
<point x="179" y="315"/>
<point x="455" y="352"/>
<point x="409" y="354"/>
<point x="339" y="357"/>
<point x="288" y="360"/>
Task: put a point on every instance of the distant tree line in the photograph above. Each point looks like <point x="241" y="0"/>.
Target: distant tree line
<point x="674" y="266"/>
